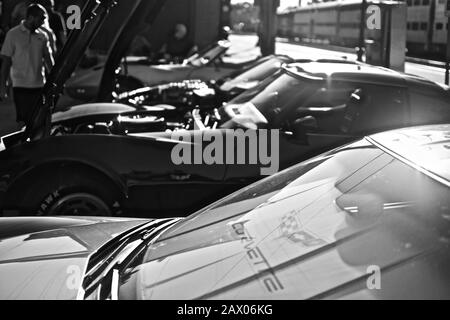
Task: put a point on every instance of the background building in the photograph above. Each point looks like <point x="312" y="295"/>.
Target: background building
<point x="203" y="18"/>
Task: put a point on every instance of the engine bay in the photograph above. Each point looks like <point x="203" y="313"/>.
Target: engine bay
<point x="184" y="95"/>
<point x="140" y="121"/>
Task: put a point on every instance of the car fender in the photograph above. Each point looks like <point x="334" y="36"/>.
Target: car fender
<point x="26" y="176"/>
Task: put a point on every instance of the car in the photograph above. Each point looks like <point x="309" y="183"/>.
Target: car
<point x="124" y="165"/>
<point x="170" y="100"/>
<point x="187" y="94"/>
<point x="137" y="72"/>
<point x="319" y="89"/>
<point x="368" y="220"/>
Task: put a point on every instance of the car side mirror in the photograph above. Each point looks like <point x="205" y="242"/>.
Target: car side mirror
<point x="356" y="97"/>
<point x="352" y="111"/>
<point x="301" y="127"/>
<point x="204" y="61"/>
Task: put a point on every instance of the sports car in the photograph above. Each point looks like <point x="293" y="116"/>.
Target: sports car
<point x="137" y="72"/>
<point x="369" y="220"/>
<point x="188" y="94"/>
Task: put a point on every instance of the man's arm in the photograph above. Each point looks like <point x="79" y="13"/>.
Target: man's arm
<point x="5" y="54"/>
<point x="62" y="37"/>
<point x="194" y="49"/>
<point x="48" y="57"/>
<point x="62" y="31"/>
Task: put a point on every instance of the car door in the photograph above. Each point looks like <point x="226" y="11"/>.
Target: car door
<point x="317" y="124"/>
<point x="159" y="184"/>
<point x="275" y="150"/>
<point x="333" y="122"/>
<point x="305" y="126"/>
<point x="379" y="108"/>
<point x="429" y="106"/>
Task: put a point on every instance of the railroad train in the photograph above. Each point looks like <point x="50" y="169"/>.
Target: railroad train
<point x="338" y="23"/>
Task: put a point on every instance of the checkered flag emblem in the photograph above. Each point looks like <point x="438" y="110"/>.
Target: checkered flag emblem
<point x="291" y="229"/>
<point x="289" y="225"/>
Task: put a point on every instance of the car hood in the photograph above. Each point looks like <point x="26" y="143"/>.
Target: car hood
<point x="259" y="248"/>
<point x="90" y="109"/>
<point x="88" y="81"/>
<point x="153" y="75"/>
<point x="45" y="258"/>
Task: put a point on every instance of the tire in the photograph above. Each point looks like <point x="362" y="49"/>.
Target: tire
<point x="68" y="194"/>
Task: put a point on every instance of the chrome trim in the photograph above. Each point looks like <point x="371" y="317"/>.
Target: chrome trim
<point x="115" y="285"/>
<point x="122" y="255"/>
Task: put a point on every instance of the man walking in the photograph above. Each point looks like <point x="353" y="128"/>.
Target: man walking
<point x="26" y="54"/>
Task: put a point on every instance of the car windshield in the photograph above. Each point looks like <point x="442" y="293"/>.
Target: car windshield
<point x="275" y="95"/>
<point x="284" y="97"/>
<point x="303" y="232"/>
<point x="208" y="54"/>
<point x="277" y="91"/>
<point x="253" y="76"/>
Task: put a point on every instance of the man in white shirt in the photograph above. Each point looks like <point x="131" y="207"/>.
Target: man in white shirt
<point x="26" y="54"/>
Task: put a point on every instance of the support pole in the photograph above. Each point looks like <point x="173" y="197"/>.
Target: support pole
<point x="447" y="58"/>
<point x="268" y="25"/>
<point x="362" y="28"/>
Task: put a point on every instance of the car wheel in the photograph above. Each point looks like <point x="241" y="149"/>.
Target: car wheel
<point x="72" y="195"/>
<point x="74" y="204"/>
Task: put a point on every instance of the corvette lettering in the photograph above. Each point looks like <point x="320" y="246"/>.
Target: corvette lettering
<point x="258" y="261"/>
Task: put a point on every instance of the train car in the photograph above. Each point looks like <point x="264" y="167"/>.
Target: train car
<point x="331" y="22"/>
<point x="427" y="28"/>
<point x="285" y="22"/>
<point x="338" y="23"/>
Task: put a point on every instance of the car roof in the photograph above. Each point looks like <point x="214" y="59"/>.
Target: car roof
<point x="354" y="71"/>
<point x="418" y="83"/>
<point x="426" y="148"/>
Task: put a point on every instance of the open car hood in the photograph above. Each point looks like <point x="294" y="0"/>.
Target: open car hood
<point x="93" y="16"/>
